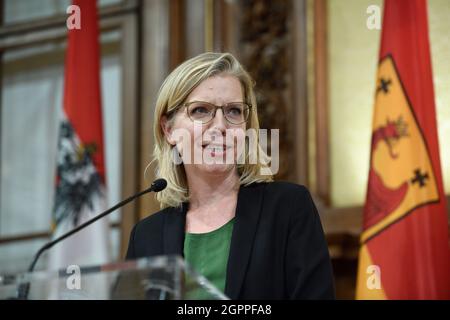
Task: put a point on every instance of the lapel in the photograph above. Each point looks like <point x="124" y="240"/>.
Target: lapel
<point x="174" y="227"/>
<point x="248" y="210"/>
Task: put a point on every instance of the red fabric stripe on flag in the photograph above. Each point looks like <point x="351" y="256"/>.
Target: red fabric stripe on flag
<point x="82" y="96"/>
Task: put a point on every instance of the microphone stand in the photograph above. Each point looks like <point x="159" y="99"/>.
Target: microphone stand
<point x="23" y="290"/>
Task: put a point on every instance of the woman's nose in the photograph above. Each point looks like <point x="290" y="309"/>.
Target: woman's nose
<point x="219" y="120"/>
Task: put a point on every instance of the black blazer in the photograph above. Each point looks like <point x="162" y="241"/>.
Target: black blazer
<point x="277" y="251"/>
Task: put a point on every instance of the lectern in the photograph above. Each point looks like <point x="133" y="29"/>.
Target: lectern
<point x="154" y="278"/>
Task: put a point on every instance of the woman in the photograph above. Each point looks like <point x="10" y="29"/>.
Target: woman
<point x="251" y="237"/>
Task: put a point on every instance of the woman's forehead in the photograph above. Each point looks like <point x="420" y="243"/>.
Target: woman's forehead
<point x="223" y="88"/>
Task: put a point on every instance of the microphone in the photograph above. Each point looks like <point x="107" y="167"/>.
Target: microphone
<point x="157" y="186"/>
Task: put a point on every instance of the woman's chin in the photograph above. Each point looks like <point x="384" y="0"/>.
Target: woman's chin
<point x="215" y="168"/>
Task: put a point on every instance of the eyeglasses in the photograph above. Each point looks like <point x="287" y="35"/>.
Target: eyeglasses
<point x="204" y="112"/>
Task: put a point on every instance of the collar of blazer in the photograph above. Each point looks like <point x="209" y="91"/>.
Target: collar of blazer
<point x="248" y="210"/>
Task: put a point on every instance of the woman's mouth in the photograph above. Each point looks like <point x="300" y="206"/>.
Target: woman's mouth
<point x="215" y="150"/>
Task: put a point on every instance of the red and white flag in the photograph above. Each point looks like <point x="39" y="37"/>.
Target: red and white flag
<point x="80" y="182"/>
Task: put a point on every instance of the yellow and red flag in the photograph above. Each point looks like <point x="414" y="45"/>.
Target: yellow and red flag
<point x="404" y="250"/>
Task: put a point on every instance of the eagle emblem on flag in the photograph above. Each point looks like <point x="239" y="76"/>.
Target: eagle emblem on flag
<point x="77" y="180"/>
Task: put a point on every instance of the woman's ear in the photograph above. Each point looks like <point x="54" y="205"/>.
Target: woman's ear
<point x="167" y="129"/>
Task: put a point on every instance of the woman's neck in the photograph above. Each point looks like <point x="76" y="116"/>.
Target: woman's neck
<point x="209" y="189"/>
<point x="212" y="200"/>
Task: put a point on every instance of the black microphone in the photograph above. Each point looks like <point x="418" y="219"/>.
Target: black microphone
<point x="157" y="185"/>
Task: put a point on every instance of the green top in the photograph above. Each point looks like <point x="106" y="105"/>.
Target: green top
<point x="207" y="253"/>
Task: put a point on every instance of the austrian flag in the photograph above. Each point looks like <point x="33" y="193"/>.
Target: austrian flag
<point x="80" y="181"/>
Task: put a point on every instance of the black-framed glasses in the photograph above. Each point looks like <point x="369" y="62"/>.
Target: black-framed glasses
<point x="204" y="112"/>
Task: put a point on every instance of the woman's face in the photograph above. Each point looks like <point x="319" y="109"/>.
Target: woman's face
<point x="209" y="147"/>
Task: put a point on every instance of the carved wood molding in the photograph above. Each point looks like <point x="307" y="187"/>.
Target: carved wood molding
<point x="264" y="50"/>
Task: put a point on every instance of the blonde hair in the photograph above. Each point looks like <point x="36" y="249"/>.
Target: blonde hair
<point x="173" y="92"/>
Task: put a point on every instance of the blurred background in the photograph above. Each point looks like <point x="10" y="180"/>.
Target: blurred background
<point x="314" y="62"/>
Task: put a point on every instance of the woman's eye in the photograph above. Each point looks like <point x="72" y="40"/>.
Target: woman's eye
<point x="200" y="110"/>
<point x="235" y="111"/>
